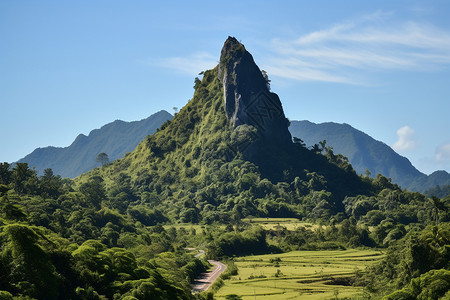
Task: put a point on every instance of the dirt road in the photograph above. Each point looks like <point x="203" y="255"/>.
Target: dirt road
<point x="205" y="280"/>
<point x="200" y="252"/>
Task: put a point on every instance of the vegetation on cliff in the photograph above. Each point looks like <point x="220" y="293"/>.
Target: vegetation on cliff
<point x="101" y="235"/>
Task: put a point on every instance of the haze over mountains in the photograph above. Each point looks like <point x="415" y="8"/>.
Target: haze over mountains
<point x="115" y="139"/>
<point x="228" y="154"/>
<point x="119" y="137"/>
<point x="364" y="152"/>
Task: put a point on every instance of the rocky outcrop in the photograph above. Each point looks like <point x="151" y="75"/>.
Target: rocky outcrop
<point x="247" y="96"/>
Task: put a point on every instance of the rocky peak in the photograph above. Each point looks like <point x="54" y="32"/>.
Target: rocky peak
<point x="247" y="97"/>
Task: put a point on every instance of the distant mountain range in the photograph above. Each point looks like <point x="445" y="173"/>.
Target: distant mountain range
<point x="115" y="139"/>
<point x="119" y="137"/>
<point x="364" y="152"/>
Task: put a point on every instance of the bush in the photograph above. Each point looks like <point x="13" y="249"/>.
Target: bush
<point x="431" y="285"/>
<point x="233" y="297"/>
<point x="4" y="295"/>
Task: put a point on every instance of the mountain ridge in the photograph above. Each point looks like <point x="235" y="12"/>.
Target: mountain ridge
<point x="364" y="152"/>
<point x="338" y="135"/>
<point x="115" y="139"/>
<point x="199" y="164"/>
<point x="256" y="112"/>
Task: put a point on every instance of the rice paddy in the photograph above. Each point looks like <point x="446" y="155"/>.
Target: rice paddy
<point x="299" y="275"/>
<point x="288" y="223"/>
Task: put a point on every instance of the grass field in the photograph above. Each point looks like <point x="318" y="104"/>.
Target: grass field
<point x="188" y="227"/>
<point x="288" y="223"/>
<point x="265" y="223"/>
<point x="299" y="275"/>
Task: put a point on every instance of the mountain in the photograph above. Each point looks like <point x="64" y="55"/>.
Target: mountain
<point x="364" y="152"/>
<point x="228" y="154"/>
<point x="115" y="139"/>
<point x="251" y="107"/>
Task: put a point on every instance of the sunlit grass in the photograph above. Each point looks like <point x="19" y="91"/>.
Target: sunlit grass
<point x="300" y="275"/>
<point x="288" y="223"/>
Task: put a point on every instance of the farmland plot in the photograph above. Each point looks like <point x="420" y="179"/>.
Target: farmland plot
<point x="299" y="275"/>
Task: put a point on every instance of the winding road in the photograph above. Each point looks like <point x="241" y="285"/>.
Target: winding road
<point x="205" y="280"/>
<point x="200" y="253"/>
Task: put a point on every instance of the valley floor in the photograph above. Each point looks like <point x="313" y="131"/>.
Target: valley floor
<point x="299" y="275"/>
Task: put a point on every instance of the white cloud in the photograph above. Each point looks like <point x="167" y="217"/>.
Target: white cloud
<point x="190" y="65"/>
<point x="440" y="160"/>
<point x="406" y="139"/>
<point x="443" y="153"/>
<point x="350" y="52"/>
<point x="304" y="72"/>
<point x="341" y="53"/>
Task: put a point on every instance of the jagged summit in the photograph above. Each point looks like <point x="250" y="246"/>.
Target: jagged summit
<point x="229" y="144"/>
<point x="247" y="95"/>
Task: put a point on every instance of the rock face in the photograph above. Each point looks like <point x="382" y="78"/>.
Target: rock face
<point x="248" y="100"/>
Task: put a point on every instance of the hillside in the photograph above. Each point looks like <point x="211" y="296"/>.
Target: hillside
<point x="228" y="153"/>
<point x="364" y="152"/>
<point x="115" y="139"/>
<point x="119" y="137"/>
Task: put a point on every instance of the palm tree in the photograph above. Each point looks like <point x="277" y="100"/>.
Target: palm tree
<point x="316" y="148"/>
<point x="438" y="205"/>
<point x="5" y="173"/>
<point x="20" y="174"/>
<point x="437" y="236"/>
<point x="323" y="145"/>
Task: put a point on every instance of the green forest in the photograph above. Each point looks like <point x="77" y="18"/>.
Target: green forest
<point x="109" y="234"/>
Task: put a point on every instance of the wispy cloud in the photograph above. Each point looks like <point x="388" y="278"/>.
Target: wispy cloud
<point x="406" y="139"/>
<point x="440" y="160"/>
<point x="343" y="52"/>
<point x="190" y="65"/>
<point x="443" y="153"/>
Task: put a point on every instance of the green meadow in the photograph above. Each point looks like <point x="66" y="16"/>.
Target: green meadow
<point x="190" y="228"/>
<point x="265" y="223"/>
<point x="288" y="223"/>
<point x="299" y="275"/>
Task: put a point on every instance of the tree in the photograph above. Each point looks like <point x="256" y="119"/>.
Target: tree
<point x="48" y="174"/>
<point x="197" y="83"/>
<point x="233" y="297"/>
<point x="299" y="141"/>
<point x="316" y="148"/>
<point x="102" y="158"/>
<point x="266" y="78"/>
<point x="5" y="173"/>
<point x="30" y="267"/>
<point x="20" y="176"/>
<point x="323" y="145"/>
<point x="50" y="184"/>
<point x="94" y="191"/>
<point x="438" y="205"/>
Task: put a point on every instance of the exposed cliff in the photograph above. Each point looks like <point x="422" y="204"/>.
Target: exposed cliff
<point x="248" y="100"/>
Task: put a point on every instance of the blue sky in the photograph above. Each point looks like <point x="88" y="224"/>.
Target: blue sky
<point x="67" y="67"/>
